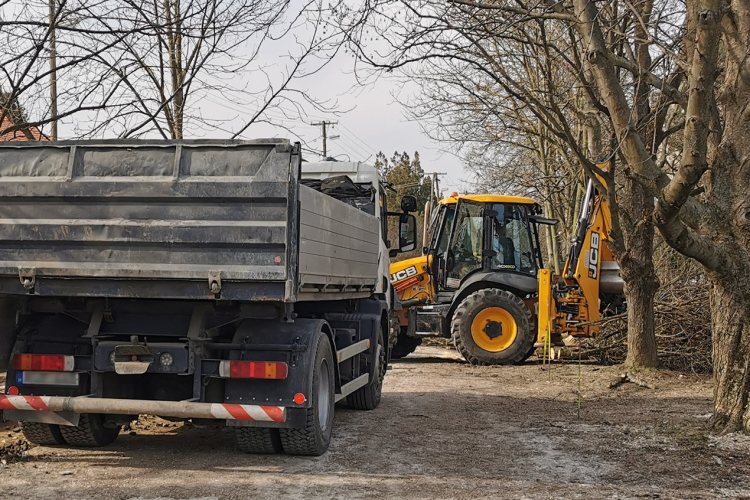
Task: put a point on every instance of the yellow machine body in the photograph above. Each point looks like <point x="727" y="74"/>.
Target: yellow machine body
<point x="411" y="278"/>
<point x="569" y="304"/>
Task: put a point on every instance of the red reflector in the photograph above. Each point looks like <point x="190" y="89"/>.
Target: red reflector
<point x="12" y="390"/>
<point x="276" y="370"/>
<point x="43" y="363"/>
<point x="299" y="398"/>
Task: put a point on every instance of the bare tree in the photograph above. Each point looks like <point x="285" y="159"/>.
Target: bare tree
<point x="143" y="67"/>
<point x="663" y="101"/>
<point x="26" y="74"/>
<point x="533" y="61"/>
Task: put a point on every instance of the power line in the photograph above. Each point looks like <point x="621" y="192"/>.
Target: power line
<point x="347" y="148"/>
<point x="365" y="155"/>
<point x="367" y="146"/>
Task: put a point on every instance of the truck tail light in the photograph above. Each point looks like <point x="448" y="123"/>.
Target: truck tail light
<point x="43" y="363"/>
<point x="277" y="370"/>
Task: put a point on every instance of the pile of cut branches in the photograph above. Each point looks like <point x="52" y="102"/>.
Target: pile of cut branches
<point x="682" y="319"/>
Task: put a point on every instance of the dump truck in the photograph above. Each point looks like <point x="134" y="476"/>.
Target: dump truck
<point x="482" y="282"/>
<point x="215" y="281"/>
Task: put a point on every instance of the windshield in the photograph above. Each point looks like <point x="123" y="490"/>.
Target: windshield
<point x="511" y="239"/>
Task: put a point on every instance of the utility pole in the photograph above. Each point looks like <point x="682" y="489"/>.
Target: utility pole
<point x="53" y="67"/>
<point x="324" y="124"/>
<point x="435" y="183"/>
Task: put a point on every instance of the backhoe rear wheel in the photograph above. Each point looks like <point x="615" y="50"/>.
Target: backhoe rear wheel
<point x="493" y="327"/>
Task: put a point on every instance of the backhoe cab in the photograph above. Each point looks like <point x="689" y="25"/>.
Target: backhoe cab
<point x="481" y="277"/>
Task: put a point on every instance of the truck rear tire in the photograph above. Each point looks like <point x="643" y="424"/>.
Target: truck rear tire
<point x="405" y="345"/>
<point x="493" y="327"/>
<point x="369" y="396"/>
<point x="314" y="438"/>
<point x="90" y="432"/>
<point x="258" y="440"/>
<point x="42" y="434"/>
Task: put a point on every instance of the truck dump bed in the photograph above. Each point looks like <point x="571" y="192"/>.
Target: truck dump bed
<point x="224" y="220"/>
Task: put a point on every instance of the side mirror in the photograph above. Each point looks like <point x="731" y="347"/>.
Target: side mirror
<point x="408" y="204"/>
<point x="407" y="233"/>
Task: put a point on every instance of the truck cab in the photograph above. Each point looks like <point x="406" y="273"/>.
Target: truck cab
<point x="358" y="184"/>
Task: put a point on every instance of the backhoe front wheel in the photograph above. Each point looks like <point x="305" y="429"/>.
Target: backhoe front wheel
<point x="493" y="327"/>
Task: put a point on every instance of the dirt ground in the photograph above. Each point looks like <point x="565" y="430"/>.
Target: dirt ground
<point x="443" y="430"/>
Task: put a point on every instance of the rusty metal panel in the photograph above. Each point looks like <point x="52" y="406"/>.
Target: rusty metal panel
<point x="174" y="212"/>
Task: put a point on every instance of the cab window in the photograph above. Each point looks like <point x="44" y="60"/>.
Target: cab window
<point x="466" y="244"/>
<point x="511" y="239"/>
<point x="444" y="216"/>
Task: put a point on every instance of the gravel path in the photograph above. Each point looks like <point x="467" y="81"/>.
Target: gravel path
<point x="443" y="430"/>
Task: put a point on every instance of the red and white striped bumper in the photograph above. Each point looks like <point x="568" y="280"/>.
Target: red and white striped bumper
<point x="177" y="409"/>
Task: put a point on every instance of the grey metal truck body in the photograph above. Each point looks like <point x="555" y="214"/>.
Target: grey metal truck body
<point x="191" y="279"/>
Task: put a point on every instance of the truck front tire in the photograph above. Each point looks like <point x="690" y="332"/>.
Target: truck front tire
<point x="314" y="438"/>
<point x="493" y="327"/>
<point x="369" y="396"/>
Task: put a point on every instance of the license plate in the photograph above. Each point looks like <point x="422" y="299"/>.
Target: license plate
<point x="47" y="378"/>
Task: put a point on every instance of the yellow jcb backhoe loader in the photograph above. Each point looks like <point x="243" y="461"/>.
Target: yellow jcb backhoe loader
<point x="481" y="280"/>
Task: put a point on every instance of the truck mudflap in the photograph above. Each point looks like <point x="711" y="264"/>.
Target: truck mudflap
<point x="177" y="409"/>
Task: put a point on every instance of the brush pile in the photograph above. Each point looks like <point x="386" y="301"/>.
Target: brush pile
<point x="682" y="319"/>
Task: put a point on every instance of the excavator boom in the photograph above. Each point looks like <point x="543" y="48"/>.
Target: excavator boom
<point x="573" y="303"/>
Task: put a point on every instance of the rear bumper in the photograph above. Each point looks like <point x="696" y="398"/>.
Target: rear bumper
<point x="177" y="409"/>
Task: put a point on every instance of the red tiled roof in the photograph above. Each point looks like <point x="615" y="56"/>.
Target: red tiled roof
<point x="19" y="135"/>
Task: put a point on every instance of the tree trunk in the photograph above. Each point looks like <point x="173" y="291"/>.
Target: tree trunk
<point x="730" y="319"/>
<point x="640" y="275"/>
<point x="637" y="270"/>
<point x="633" y="249"/>
<point x="641" y="284"/>
<point x="728" y="185"/>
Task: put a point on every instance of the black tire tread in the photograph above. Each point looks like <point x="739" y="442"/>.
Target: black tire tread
<point x="258" y="440"/>
<point x="42" y="434"/>
<point x="301" y="441"/>
<point x="90" y="432"/>
<point x="369" y="396"/>
<point x="405" y="345"/>
<point x="488" y="295"/>
<point x="305" y="442"/>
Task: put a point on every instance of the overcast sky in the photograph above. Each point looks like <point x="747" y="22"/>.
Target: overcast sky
<point x="369" y="120"/>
